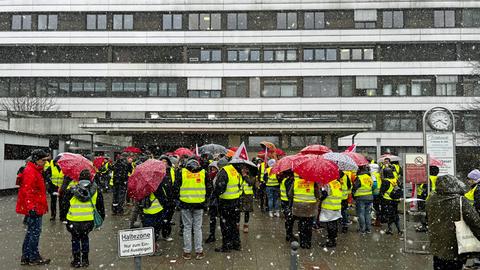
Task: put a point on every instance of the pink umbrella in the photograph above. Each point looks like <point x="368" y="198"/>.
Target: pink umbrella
<point x="131" y="149"/>
<point x="287" y="163"/>
<point x="317" y="169"/>
<point x="72" y="164"/>
<point x="359" y="159"/>
<point x="315" y="149"/>
<point x="183" y="151"/>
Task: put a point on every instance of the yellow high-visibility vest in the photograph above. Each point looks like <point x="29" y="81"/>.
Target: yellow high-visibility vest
<point x="72" y="184"/>
<point x="57" y="176"/>
<point x="233" y="190"/>
<point x="334" y="198"/>
<point x="366" y="184"/>
<point x="470" y="195"/>
<point x="155" y="206"/>
<point x="81" y="211"/>
<point x="345" y="190"/>
<point x="393" y="184"/>
<point x="247" y="189"/>
<point x="193" y="189"/>
<point x="376" y="191"/>
<point x="262" y="171"/>
<point x="172" y="175"/>
<point x="304" y="191"/>
<point x="272" y="179"/>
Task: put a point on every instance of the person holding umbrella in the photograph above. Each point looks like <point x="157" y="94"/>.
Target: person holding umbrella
<point x="287" y="178"/>
<point x="54" y="179"/>
<point x="81" y="201"/>
<point x="191" y="188"/>
<point x="121" y="171"/>
<point x="169" y="206"/>
<point x="363" y="194"/>
<point x="153" y="213"/>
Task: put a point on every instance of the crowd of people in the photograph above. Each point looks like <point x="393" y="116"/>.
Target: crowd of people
<point x="228" y="186"/>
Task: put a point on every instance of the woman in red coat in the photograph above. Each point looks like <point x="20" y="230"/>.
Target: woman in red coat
<point x="32" y="202"/>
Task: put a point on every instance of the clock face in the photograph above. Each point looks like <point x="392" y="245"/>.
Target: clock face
<point x="439" y="120"/>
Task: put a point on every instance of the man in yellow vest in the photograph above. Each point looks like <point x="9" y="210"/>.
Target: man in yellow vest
<point x="54" y="178"/>
<point x="363" y="193"/>
<point x="423" y="193"/>
<point x="169" y="206"/>
<point x="190" y="188"/>
<point x="153" y="211"/>
<point x="287" y="178"/>
<point x="473" y="195"/>
<point x="377" y="183"/>
<point x="389" y="202"/>
<point x="228" y="188"/>
<point x="331" y="210"/>
<point x="273" y="190"/>
<point x="305" y="196"/>
<point x="81" y="200"/>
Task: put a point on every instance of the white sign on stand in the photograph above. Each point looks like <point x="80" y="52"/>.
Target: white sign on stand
<point x="136" y="242"/>
<point x="441" y="147"/>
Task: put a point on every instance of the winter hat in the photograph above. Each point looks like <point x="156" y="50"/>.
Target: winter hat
<point x="38" y="154"/>
<point x="271" y="162"/>
<point x="474" y="175"/>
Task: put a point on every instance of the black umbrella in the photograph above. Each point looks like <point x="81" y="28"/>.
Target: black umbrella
<point x="251" y="166"/>
<point x="213" y="149"/>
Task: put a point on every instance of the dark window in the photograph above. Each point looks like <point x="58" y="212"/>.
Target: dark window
<point x="356" y="54"/>
<point x="314" y="20"/>
<point x="204" y="93"/>
<point x="319" y="54"/>
<point x="4" y="86"/>
<point x="279" y="88"/>
<point x="96" y="21"/>
<point x="286" y="20"/>
<point x="237" y="21"/>
<point x="128" y="87"/>
<point x="347" y="86"/>
<point x="400" y="122"/>
<point x="19" y="152"/>
<point x="301" y="141"/>
<point x="471" y="17"/>
<point x="444" y="18"/>
<point x="204" y="21"/>
<point x="87" y="87"/>
<point x="393" y="19"/>
<point x="122" y="22"/>
<point x="365" y="19"/>
<point x="236" y="87"/>
<point x="208" y="55"/>
<point x="47" y="22"/>
<point x="320" y="86"/>
<point x="21" y="22"/>
<point x="394" y="86"/>
<point x="280" y="55"/>
<point x="172" y="22"/>
<point x="471" y="122"/>
<point x="471" y="87"/>
<point x="422" y="87"/>
<point x="242" y="55"/>
<point x="162" y="89"/>
<point x="446" y="85"/>
<point x="366" y="86"/>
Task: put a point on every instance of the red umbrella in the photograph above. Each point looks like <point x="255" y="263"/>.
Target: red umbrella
<point x="72" y="164"/>
<point x="317" y="169"/>
<point x="280" y="152"/>
<point x="315" y="149"/>
<point x="359" y="159"/>
<point x="131" y="149"/>
<point x="146" y="178"/>
<point x="288" y="163"/>
<point x="183" y="151"/>
<point x="98" y="162"/>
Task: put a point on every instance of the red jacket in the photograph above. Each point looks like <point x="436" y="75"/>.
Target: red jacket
<point x="32" y="194"/>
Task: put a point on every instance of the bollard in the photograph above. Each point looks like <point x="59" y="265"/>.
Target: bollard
<point x="294" y="255"/>
<point x="137" y="261"/>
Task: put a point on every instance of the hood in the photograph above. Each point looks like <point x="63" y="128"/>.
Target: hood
<point x="450" y="185"/>
<point x="82" y="194"/>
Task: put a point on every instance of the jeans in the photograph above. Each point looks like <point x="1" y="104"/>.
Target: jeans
<point x="273" y="194"/>
<point x="364" y="210"/>
<point x="32" y="237"/>
<point x="154" y="221"/>
<point x="192" y="217"/>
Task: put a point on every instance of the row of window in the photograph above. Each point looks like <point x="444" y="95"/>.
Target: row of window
<point x="266" y="20"/>
<point x="345" y="86"/>
<point x="176" y="54"/>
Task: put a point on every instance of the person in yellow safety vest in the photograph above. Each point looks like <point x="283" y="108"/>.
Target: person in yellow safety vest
<point x="346" y="191"/>
<point x="287" y="178"/>
<point x="377" y="183"/>
<point x="424" y="194"/>
<point x="67" y="185"/>
<point x="54" y="178"/>
<point x="169" y="206"/>
<point x="261" y="186"/>
<point x="153" y="211"/>
<point x="305" y="196"/>
<point x="473" y="195"/>
<point x="190" y="188"/>
<point x="331" y="210"/>
<point x="104" y="175"/>
<point x="389" y="204"/>
<point x="272" y="189"/>
<point x="228" y="188"/>
<point x="246" y="200"/>
<point x="81" y="200"/>
<point x="363" y="193"/>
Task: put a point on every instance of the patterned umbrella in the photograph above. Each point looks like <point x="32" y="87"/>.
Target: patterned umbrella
<point x="359" y="159"/>
<point x="212" y="148"/>
<point x="382" y="158"/>
<point x="317" y="169"/>
<point x="344" y="162"/>
<point x="287" y="163"/>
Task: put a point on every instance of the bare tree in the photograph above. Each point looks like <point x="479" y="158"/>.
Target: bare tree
<point x="28" y="104"/>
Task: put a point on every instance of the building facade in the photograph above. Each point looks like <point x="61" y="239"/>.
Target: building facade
<point x="171" y="73"/>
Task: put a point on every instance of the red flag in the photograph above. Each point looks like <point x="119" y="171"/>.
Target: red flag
<point x="351" y="148"/>
<point x="241" y="152"/>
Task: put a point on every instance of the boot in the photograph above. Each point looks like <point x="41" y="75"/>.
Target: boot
<point x="210" y="239"/>
<point x="245" y="228"/>
<point x="85" y="262"/>
<point x="377" y="222"/>
<point x="76" y="260"/>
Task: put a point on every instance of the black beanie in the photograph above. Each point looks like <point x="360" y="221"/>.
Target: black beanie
<point x="38" y="154"/>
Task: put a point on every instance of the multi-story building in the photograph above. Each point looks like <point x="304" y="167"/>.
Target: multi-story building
<point x="171" y="73"/>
